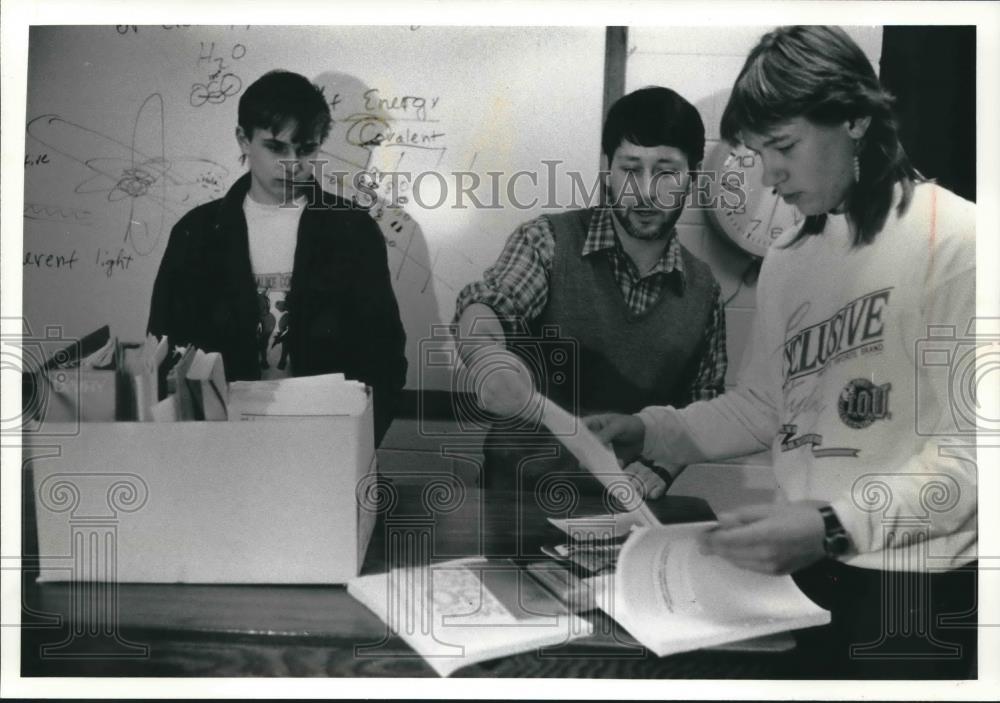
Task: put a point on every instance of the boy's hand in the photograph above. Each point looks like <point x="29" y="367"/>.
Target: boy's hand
<point x="625" y="433"/>
<point x="770" y="539"/>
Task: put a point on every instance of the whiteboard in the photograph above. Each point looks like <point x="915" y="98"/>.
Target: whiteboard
<point x="128" y="127"/>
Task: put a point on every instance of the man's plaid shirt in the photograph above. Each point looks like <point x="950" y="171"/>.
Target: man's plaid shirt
<point x="516" y="287"/>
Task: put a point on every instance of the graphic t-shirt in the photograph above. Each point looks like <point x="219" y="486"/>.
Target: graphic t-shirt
<point x="272" y="230"/>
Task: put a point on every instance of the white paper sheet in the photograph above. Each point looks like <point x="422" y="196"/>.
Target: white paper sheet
<point x="594" y="456"/>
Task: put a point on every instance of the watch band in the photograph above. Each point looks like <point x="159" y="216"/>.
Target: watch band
<point x="835" y="539"/>
<point x="665" y="476"/>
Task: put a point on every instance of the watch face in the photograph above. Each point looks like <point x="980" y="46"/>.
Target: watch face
<point x="744" y="210"/>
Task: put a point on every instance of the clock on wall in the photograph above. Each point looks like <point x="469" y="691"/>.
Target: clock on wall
<point x="742" y="208"/>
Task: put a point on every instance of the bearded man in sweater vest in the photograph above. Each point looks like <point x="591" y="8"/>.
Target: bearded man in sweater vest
<point x="600" y="309"/>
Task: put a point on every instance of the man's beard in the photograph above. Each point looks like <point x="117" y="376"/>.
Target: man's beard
<point x="661" y="232"/>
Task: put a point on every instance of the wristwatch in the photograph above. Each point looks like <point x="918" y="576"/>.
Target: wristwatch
<point x="665" y="476"/>
<point x="835" y="539"/>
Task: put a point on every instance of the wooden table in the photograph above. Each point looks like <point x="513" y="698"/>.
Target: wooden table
<point x="209" y="630"/>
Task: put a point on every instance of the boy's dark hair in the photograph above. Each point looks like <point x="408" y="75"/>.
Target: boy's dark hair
<point x="279" y="96"/>
<point x="821" y="74"/>
<point x="655" y="116"/>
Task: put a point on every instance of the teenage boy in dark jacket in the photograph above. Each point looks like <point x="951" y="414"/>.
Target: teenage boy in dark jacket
<point x="280" y="277"/>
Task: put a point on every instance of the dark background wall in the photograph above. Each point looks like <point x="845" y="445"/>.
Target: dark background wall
<point x="932" y="73"/>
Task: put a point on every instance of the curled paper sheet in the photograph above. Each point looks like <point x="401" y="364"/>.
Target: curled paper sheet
<point x="593" y="456"/>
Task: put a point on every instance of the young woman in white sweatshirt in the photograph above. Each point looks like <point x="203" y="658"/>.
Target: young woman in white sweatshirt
<point x="856" y="375"/>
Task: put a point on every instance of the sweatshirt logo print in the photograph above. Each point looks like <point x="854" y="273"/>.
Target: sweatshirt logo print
<point x="862" y="402"/>
<point x="790" y="442"/>
<point x="856" y="326"/>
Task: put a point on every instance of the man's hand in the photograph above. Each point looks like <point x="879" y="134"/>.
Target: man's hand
<point x="503" y="384"/>
<point x="646" y="480"/>
<point x="625" y="433"/>
<point x="771" y="539"/>
<point x="499" y="379"/>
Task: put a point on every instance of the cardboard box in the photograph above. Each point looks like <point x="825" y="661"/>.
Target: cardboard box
<point x="270" y="501"/>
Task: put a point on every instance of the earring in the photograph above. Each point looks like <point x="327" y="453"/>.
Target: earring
<point x="857" y="168"/>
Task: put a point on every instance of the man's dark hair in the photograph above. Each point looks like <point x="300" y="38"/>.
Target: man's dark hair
<point x="655" y="116"/>
<point x="279" y="96"/>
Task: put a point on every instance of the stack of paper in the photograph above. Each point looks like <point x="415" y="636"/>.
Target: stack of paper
<point x="302" y="396"/>
<point x="672" y="598"/>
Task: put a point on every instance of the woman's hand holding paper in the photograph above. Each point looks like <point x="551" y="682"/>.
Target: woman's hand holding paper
<point x="770" y="538"/>
<point x="646" y="480"/>
<point x="625" y="433"/>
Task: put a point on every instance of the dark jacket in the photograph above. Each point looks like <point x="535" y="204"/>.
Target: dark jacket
<point x="343" y="315"/>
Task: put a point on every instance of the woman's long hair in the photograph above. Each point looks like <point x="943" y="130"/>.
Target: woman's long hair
<point x="819" y="73"/>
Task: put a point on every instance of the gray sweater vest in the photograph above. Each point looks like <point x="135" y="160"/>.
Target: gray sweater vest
<point x="590" y="354"/>
<point x="624" y="361"/>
